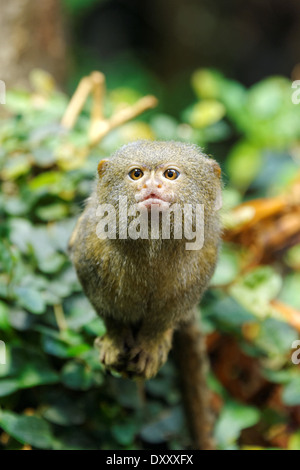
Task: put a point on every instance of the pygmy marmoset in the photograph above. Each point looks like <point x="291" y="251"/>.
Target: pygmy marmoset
<point x="142" y="287"/>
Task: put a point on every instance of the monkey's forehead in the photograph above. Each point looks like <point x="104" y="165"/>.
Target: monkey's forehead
<point x="152" y="153"/>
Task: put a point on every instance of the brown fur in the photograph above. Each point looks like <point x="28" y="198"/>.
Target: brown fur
<point x="143" y="289"/>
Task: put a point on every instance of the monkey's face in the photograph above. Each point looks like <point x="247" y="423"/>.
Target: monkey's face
<point x="146" y="185"/>
<point x="154" y="185"/>
<point x="159" y="173"/>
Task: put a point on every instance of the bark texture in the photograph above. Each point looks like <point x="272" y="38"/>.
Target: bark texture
<point x="31" y="36"/>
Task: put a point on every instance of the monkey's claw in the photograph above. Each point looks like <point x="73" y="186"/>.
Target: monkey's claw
<point x="147" y="358"/>
<point x="110" y="354"/>
<point x="114" y="350"/>
<point x="140" y="358"/>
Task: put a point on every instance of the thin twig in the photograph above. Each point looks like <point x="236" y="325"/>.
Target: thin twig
<point x="98" y="90"/>
<point x="104" y="127"/>
<point x="77" y="102"/>
<point x="60" y="317"/>
<point x="141" y="391"/>
<point x="100" y="127"/>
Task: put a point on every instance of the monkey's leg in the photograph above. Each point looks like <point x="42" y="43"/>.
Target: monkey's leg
<point x="115" y="345"/>
<point x="150" y="351"/>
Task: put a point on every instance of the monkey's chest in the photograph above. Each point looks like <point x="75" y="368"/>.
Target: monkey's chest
<point x="131" y="289"/>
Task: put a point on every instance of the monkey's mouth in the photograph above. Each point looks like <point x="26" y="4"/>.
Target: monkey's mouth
<point x="152" y="199"/>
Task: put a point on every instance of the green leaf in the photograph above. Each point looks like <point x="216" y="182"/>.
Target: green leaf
<point x="164" y="126"/>
<point x="36" y="372"/>
<point x="8" y="386"/>
<point x="52" y="212"/>
<point x="79" y="351"/>
<point x="15" y="206"/>
<point x="294" y="441"/>
<point x="290" y="292"/>
<point x="20" y="233"/>
<point x="54" y="346"/>
<point x="46" y="180"/>
<point x="227" y="267"/>
<point x="80" y="312"/>
<point x="4" y="317"/>
<point x="228" y="314"/>
<point x="291" y="392"/>
<point x="31" y="377"/>
<point x="243" y="163"/>
<point x="18" y="101"/>
<point x="207" y="83"/>
<point x="52" y="263"/>
<point x="276" y="337"/>
<point x="30" y="430"/>
<point x="28" y="367"/>
<point x="266" y="97"/>
<point x="205" y="113"/>
<point x="65" y="412"/>
<point x="30" y="299"/>
<point x="77" y="376"/>
<point x="43" y="157"/>
<point x="283" y="376"/>
<point x="20" y="319"/>
<point x="233" y="419"/>
<point x="95" y="327"/>
<point x="124" y="433"/>
<point x="256" y="289"/>
<point x="169" y="424"/>
<point x="293" y="257"/>
<point x="15" y="167"/>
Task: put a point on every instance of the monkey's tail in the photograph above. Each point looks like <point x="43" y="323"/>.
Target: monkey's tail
<point x="191" y="358"/>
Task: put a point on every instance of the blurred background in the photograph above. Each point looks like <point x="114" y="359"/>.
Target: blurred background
<point x="222" y="73"/>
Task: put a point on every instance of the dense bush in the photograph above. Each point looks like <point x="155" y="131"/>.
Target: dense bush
<point x="54" y="393"/>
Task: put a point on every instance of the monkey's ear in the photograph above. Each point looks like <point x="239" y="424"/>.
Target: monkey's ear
<point x="216" y="168"/>
<point x="217" y="171"/>
<point x="102" y="167"/>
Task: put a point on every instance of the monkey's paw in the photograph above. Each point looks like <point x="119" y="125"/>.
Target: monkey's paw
<point x="113" y="351"/>
<point x="147" y="357"/>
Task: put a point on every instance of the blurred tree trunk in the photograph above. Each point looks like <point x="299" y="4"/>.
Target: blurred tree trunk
<point x="31" y="36"/>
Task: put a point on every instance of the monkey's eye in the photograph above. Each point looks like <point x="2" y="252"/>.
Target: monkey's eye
<point x="136" y="174"/>
<point x="171" y="174"/>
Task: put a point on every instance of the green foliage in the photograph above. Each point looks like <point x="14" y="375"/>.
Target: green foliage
<point x="31" y="430"/>
<point x="234" y="417"/>
<point x="54" y="393"/>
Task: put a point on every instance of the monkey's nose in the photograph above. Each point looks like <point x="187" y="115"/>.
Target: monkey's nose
<point x="152" y="183"/>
